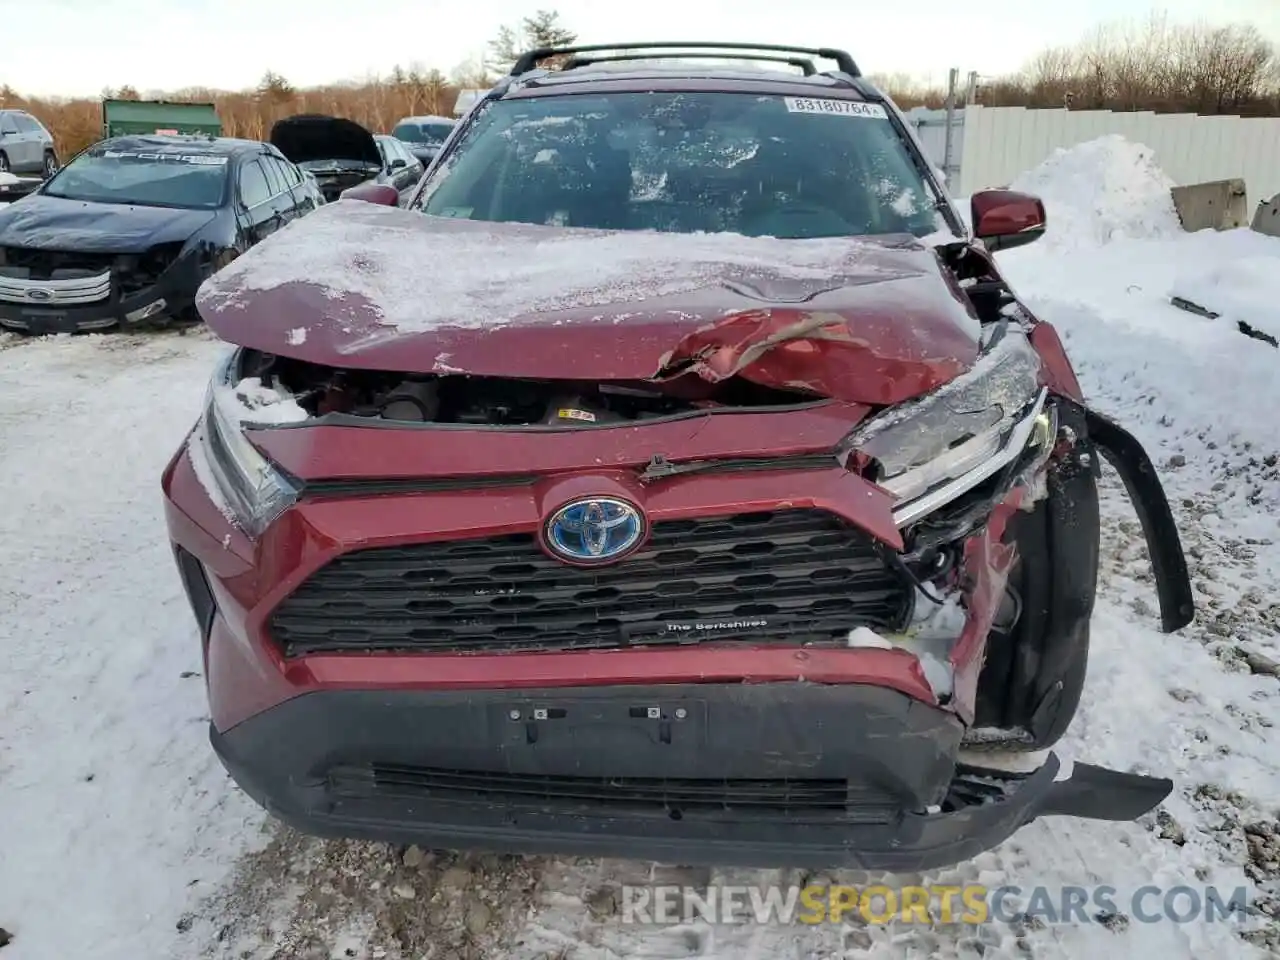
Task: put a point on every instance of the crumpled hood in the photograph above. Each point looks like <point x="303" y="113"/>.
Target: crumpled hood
<point x="361" y="286"/>
<point x="54" y="223"/>
<point x="312" y="136"/>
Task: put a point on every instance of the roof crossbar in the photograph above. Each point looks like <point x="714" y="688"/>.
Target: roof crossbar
<point x="799" y="63"/>
<point x="530" y="59"/>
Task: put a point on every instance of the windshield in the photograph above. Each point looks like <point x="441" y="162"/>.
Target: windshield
<point x="102" y="175"/>
<point x="432" y="133"/>
<point x="686" y="163"/>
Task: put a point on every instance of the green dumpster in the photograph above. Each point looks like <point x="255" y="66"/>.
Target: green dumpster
<point x="124" y="117"/>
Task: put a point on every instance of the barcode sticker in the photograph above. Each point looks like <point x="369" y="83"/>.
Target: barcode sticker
<point x="836" y="108"/>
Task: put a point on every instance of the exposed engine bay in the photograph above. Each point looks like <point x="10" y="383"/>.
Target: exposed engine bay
<point x="498" y="401"/>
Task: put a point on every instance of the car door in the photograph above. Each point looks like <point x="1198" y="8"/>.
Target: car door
<point x="258" y="211"/>
<point x="411" y="173"/>
<point x="393" y="170"/>
<point x="306" y="197"/>
<point x="26" y="146"/>
<point x="34" y="137"/>
<point x="285" y="204"/>
<point x="11" y="141"/>
<point x="403" y="176"/>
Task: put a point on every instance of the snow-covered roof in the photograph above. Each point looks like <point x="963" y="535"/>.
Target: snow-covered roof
<point x="428" y="118"/>
<point x="466" y="100"/>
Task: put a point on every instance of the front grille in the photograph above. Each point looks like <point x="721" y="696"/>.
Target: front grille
<point x="55" y="293"/>
<point x="31" y="263"/>
<point x="846" y="800"/>
<point x="807" y="575"/>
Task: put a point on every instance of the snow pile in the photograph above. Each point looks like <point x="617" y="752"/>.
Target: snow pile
<point x="7" y="177"/>
<point x="1100" y="191"/>
<point x="1240" y="291"/>
<point x="1193" y="389"/>
<point x="416" y="272"/>
<point x="252" y="401"/>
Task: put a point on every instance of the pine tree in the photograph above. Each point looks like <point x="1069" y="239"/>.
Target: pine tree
<point x="274" y="88"/>
<point x="543" y="29"/>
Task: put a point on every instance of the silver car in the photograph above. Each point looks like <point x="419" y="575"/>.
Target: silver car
<point x="25" y="145"/>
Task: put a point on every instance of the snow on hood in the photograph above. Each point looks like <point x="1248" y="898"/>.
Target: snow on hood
<point x="252" y="401"/>
<point x="1102" y="190"/>
<point x="417" y="273"/>
<point x="387" y="288"/>
<point x="307" y="137"/>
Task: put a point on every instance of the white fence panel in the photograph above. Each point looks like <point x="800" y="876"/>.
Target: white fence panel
<point x="993" y="145"/>
<point x="931" y="127"/>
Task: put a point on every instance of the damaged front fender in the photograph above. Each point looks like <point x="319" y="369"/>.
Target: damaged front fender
<point x="1169" y="564"/>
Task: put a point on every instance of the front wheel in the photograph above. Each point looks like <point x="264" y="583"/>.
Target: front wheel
<point x="50" y="164"/>
<point x="4" y="163"/>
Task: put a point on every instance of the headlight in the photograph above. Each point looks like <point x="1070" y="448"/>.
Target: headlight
<point x="935" y="449"/>
<point x="255" y="491"/>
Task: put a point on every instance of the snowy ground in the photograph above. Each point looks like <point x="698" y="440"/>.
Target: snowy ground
<point x="120" y="838"/>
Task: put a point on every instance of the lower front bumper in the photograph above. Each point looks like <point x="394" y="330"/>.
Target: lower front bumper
<point x="82" y="318"/>
<point x="764" y="775"/>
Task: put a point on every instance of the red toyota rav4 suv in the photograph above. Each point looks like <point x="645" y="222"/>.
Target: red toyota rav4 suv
<point x="675" y="477"/>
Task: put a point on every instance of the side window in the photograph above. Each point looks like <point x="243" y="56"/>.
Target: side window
<point x="254" y="188"/>
<point x="25" y="123"/>
<point x="291" y="175"/>
<point x="6" y="123"/>
<point x="275" y="176"/>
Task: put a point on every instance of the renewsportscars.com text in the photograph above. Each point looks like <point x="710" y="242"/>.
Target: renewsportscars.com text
<point x="973" y="904"/>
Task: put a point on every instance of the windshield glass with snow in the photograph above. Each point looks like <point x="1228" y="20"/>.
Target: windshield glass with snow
<point x="686" y="163"/>
<point x="186" y="181"/>
<point x="430" y="133"/>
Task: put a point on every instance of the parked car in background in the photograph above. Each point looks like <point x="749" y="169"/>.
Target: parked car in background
<point x="25" y="145"/>
<point x="339" y="153"/>
<point x="128" y="230"/>
<point x="400" y="168"/>
<point x="424" y="135"/>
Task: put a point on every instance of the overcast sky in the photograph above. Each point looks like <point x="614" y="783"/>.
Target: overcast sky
<point x="70" y="47"/>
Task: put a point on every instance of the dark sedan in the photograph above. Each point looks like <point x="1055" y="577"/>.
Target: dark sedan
<point x="129" y="229"/>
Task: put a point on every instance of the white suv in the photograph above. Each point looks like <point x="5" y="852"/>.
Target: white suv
<point x="25" y="145"/>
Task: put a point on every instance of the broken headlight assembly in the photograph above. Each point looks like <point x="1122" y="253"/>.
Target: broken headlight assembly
<point x="254" y="490"/>
<point x="932" y="450"/>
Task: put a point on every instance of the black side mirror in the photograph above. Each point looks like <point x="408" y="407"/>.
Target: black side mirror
<point x="398" y="163"/>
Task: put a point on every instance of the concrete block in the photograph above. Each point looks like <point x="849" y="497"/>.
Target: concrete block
<point x="1266" y="219"/>
<point x="1216" y="205"/>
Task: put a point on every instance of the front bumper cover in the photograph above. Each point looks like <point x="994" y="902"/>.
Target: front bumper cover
<point x="342" y="764"/>
<point x="172" y="295"/>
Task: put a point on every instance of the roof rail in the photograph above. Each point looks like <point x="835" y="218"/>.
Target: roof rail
<point x="529" y="60"/>
<point x="799" y="62"/>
